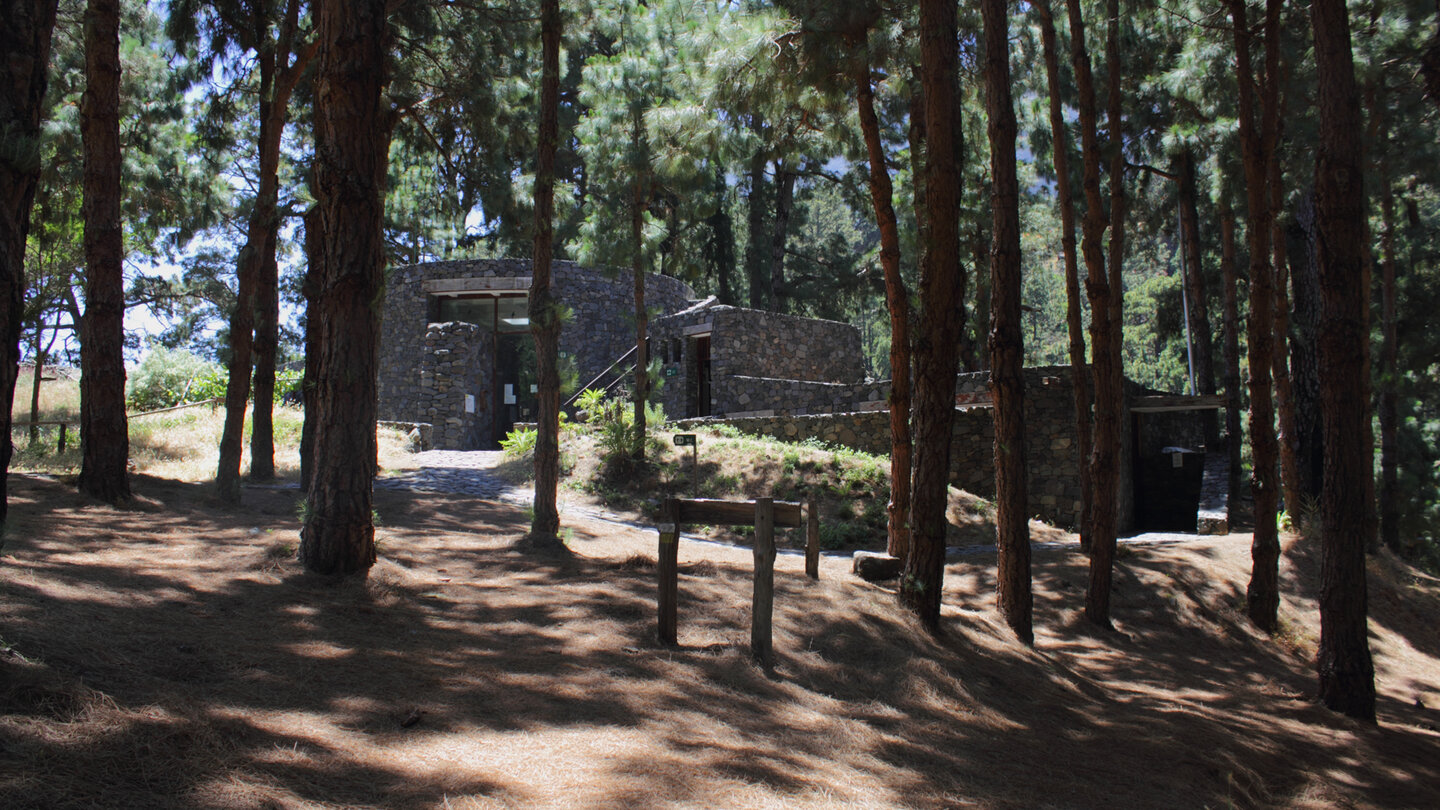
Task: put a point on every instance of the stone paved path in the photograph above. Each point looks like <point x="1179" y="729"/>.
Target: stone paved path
<point x="462" y="472"/>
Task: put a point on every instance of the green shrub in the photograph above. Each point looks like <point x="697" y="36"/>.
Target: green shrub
<point x="168" y="377"/>
<point x="520" y="442"/>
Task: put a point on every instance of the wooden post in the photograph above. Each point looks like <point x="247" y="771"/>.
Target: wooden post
<point x="763" y="602"/>
<point x="812" y="539"/>
<point x="667" y="568"/>
<point x="62" y="438"/>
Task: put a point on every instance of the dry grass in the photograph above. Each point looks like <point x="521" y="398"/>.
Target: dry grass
<point x="173" y="655"/>
<point x="184" y="445"/>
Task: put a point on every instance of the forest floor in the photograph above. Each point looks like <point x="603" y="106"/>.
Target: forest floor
<point x="173" y="654"/>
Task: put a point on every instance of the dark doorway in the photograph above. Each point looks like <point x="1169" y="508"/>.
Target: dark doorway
<point x="702" y="375"/>
<point x="515" y="383"/>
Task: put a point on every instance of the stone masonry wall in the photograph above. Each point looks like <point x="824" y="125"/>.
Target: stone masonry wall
<point x="753" y="343"/>
<point x="601" y="329"/>
<point x="746" y="395"/>
<point x="1053" y="459"/>
<point x="760" y="361"/>
<point x="451" y="368"/>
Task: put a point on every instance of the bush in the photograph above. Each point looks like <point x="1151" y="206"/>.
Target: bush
<point x="519" y="443"/>
<point x="169" y="377"/>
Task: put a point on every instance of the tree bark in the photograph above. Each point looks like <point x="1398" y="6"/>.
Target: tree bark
<point x="1346" y="673"/>
<point x="642" y="320"/>
<point x="352" y="136"/>
<point x="784" y="203"/>
<point x="104" y="434"/>
<point x="267" y="287"/>
<point x="1231" y="337"/>
<point x="942" y="318"/>
<point x="1007" y="344"/>
<point x="1280" y="368"/>
<point x="1199" y="310"/>
<point x="1303" y="246"/>
<point x="544" y="306"/>
<point x="1389" y="360"/>
<point x="254" y="324"/>
<point x="1074" y="315"/>
<point x="897" y="303"/>
<point x="755" y="210"/>
<point x="1262" y="592"/>
<point x="25" y="41"/>
<point x="1105" y="353"/>
<point x="722" y="243"/>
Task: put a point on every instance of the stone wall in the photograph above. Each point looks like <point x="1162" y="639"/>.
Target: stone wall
<point x="759" y="361"/>
<point x="1053" y="459"/>
<point x="600" y="330"/>
<point x="748" y="395"/>
<point x="453" y="367"/>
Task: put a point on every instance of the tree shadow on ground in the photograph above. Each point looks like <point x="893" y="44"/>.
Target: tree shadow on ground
<point x="178" y="657"/>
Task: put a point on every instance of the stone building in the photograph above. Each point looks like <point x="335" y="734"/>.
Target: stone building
<point x="455" y="345"/>
<point x="456" y="354"/>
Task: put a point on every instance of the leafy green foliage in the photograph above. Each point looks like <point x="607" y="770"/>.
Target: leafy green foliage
<point x="168" y="377"/>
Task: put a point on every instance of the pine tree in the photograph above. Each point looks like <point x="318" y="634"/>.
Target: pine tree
<point x="1347" y="674"/>
<point x="25" y="41"/>
<point x="1007" y="346"/>
<point x="104" y="433"/>
<point x="345" y="246"/>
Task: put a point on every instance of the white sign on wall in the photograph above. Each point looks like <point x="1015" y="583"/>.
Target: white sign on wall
<point x="469" y="403"/>
<point x="509" y="394"/>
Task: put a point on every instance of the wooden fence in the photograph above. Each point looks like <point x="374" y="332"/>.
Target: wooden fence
<point x="64" y="425"/>
<point x="764" y="514"/>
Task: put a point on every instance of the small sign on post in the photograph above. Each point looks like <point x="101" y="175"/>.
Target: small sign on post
<point x="689" y="440"/>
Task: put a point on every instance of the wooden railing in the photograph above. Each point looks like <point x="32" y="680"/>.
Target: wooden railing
<point x="64" y="424"/>
<point x="764" y="514"/>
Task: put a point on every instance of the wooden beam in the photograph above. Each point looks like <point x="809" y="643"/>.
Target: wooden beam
<point x="736" y="513"/>
<point x="667" y="570"/>
<point x="812" y="539"/>
<point x="1177" y="402"/>
<point x="762" y="602"/>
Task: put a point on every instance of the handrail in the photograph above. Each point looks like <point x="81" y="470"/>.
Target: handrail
<point x="598" y="377"/>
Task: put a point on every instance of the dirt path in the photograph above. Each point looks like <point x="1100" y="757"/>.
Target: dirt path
<point x="174" y="656"/>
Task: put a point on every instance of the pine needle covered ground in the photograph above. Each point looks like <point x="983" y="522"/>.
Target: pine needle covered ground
<point x="172" y="654"/>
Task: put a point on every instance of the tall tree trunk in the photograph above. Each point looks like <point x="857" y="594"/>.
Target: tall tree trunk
<point x="104" y="434"/>
<point x="544" y="307"/>
<point x="721" y="247"/>
<point x="310" y="379"/>
<point x="1280" y="361"/>
<point x="1389" y="360"/>
<point x="897" y="302"/>
<point x="267" y="286"/>
<point x="1105" y="354"/>
<point x="1231" y="337"/>
<point x="352" y="138"/>
<point x="942" y="318"/>
<point x="1262" y="593"/>
<point x="1199" y="310"/>
<point x="1305" y="310"/>
<point x="1007" y="343"/>
<point x="1099" y="512"/>
<point x="973" y="356"/>
<point x="637" y="270"/>
<point x="42" y="353"/>
<point x="755" y="210"/>
<point x="1347" y="675"/>
<point x="25" y="41"/>
<point x="784" y="203"/>
<point x="1074" y="315"/>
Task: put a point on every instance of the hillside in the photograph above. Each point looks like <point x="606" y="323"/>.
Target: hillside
<point x="173" y="655"/>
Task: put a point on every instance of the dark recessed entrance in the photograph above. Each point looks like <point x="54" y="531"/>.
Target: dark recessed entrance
<point x="701" y="348"/>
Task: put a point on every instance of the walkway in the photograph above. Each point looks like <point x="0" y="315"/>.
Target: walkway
<point x="461" y="472"/>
